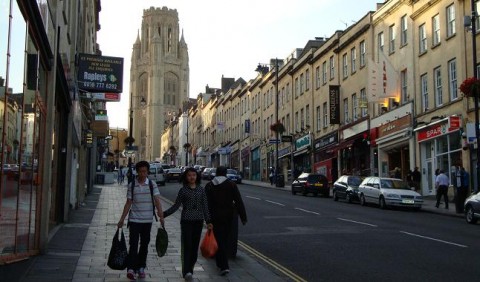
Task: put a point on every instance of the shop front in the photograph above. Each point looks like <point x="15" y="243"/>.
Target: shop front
<point x="245" y="162"/>
<point x="396" y="147"/>
<point x="440" y="148"/>
<point x="354" y="150"/>
<point x="325" y="156"/>
<point x="256" y="172"/>
<point x="235" y="156"/>
<point x="302" y="155"/>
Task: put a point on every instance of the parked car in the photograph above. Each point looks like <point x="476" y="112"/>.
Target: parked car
<point x="311" y="183"/>
<point x="207" y="173"/>
<point x="174" y="173"/>
<point x="346" y="187"/>
<point x="233" y="175"/>
<point x="388" y="192"/>
<point x="472" y="208"/>
<point x="156" y="173"/>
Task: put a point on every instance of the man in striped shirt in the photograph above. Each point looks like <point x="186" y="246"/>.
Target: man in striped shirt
<point x="140" y="210"/>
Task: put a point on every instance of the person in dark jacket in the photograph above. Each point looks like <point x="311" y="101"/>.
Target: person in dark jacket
<point x="195" y="210"/>
<point x="223" y="198"/>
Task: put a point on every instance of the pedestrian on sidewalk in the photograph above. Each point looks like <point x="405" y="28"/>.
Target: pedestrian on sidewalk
<point x="224" y="198"/>
<point x="462" y="188"/>
<point x="193" y="199"/>
<point x="441" y="184"/>
<point x="271" y="175"/>
<point x="142" y="194"/>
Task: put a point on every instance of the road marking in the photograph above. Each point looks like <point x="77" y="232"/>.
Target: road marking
<point x="358" y="222"/>
<point x="271" y="262"/>
<point x="433" y="239"/>
<point x="307" y="211"/>
<point x="275" y="203"/>
<point x="255" y="198"/>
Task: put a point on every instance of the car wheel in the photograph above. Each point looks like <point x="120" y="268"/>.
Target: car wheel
<point x="348" y="198"/>
<point x="469" y="215"/>
<point x="362" y="200"/>
<point x="381" y="203"/>
<point x="335" y="197"/>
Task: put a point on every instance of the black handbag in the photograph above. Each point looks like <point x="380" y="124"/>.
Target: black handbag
<point x="161" y="242"/>
<point x="117" y="259"/>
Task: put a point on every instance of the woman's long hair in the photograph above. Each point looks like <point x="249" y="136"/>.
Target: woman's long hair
<point x="184" y="176"/>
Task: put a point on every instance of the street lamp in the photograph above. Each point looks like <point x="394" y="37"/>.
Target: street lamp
<point x="473" y="23"/>
<point x="130" y="133"/>
<point x="263" y="69"/>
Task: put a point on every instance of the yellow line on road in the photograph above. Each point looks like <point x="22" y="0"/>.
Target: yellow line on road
<point x="271" y="262"/>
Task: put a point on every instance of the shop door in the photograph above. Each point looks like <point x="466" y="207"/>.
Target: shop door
<point x="428" y="179"/>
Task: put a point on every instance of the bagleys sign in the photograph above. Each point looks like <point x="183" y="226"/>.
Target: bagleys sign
<point x="453" y="124"/>
<point x="100" y="73"/>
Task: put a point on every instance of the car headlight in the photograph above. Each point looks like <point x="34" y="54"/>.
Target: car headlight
<point x="393" y="196"/>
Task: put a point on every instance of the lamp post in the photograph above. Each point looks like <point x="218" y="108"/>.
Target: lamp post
<point x="263" y="70"/>
<point x="130" y="134"/>
<point x="473" y="22"/>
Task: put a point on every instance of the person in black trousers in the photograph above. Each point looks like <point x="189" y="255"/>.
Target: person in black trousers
<point x="195" y="210"/>
<point x="223" y="198"/>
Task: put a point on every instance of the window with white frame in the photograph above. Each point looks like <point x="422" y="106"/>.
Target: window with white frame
<point x="287" y="125"/>
<point x="424" y="91"/>
<point x="324" y="72"/>
<point x="353" y="59"/>
<point x="302" y="118"/>
<point x="452" y="79"/>
<point x="422" y="38"/>
<point x="391" y="35"/>
<point x="297" y="122"/>
<point x="436" y="30"/>
<point x="287" y="92"/>
<point x="355" y="107"/>
<point x="302" y="84"/>
<point x="437" y="78"/>
<point x="477" y="21"/>
<point x="332" y="67"/>
<point x="403" y="30"/>
<point x="307" y="115"/>
<point x="345" y="111"/>
<point x="319" y="119"/>
<point x="380" y="41"/>
<point x="297" y="87"/>
<point x="345" y="65"/>
<point x="364" y="102"/>
<point x="325" y="114"/>
<point x="317" y="77"/>
<point x="307" y="79"/>
<point x="451" y="20"/>
<point x="403" y="86"/>
<point x="363" y="51"/>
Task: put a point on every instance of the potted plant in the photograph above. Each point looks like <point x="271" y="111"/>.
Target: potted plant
<point x="277" y="127"/>
<point x="470" y="87"/>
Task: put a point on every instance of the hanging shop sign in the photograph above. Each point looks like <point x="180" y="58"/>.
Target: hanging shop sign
<point x="334" y="97"/>
<point x="303" y="142"/>
<point x="100" y="73"/>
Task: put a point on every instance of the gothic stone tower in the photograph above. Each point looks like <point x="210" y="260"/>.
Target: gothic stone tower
<point x="159" y="73"/>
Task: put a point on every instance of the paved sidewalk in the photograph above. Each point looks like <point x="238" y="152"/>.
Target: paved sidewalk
<point x="79" y="250"/>
<point x="428" y="201"/>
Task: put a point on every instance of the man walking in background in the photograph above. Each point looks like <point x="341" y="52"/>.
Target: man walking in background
<point x="441" y="184"/>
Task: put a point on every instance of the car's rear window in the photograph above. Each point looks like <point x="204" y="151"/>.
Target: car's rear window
<point x="315" y="178"/>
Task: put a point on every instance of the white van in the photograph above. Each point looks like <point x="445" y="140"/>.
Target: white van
<point x="156" y="174"/>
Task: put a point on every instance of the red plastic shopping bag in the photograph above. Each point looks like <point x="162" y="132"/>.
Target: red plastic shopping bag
<point x="209" y="245"/>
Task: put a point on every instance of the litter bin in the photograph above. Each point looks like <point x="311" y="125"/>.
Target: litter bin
<point x="100" y="179"/>
<point x="280" y="180"/>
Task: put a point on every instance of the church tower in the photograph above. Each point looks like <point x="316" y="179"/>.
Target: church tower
<point x="159" y="75"/>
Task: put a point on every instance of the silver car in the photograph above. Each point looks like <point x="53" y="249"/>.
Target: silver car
<point x="388" y="192"/>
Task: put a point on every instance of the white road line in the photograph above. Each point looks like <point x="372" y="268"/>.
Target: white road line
<point x="358" y="222"/>
<point x="275" y="203"/>
<point x="255" y="198"/>
<point x="307" y="211"/>
<point x="433" y="239"/>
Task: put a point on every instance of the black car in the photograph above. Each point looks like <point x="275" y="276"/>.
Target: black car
<point x="311" y="183"/>
<point x="472" y="208"/>
<point x="173" y="174"/>
<point x="346" y="187"/>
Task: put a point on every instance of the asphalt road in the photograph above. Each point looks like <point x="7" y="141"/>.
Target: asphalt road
<point x="322" y="240"/>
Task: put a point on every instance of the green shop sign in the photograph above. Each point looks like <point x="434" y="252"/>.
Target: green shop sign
<point x="303" y="142"/>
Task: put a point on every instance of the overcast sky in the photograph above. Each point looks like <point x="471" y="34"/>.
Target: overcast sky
<point x="225" y="37"/>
